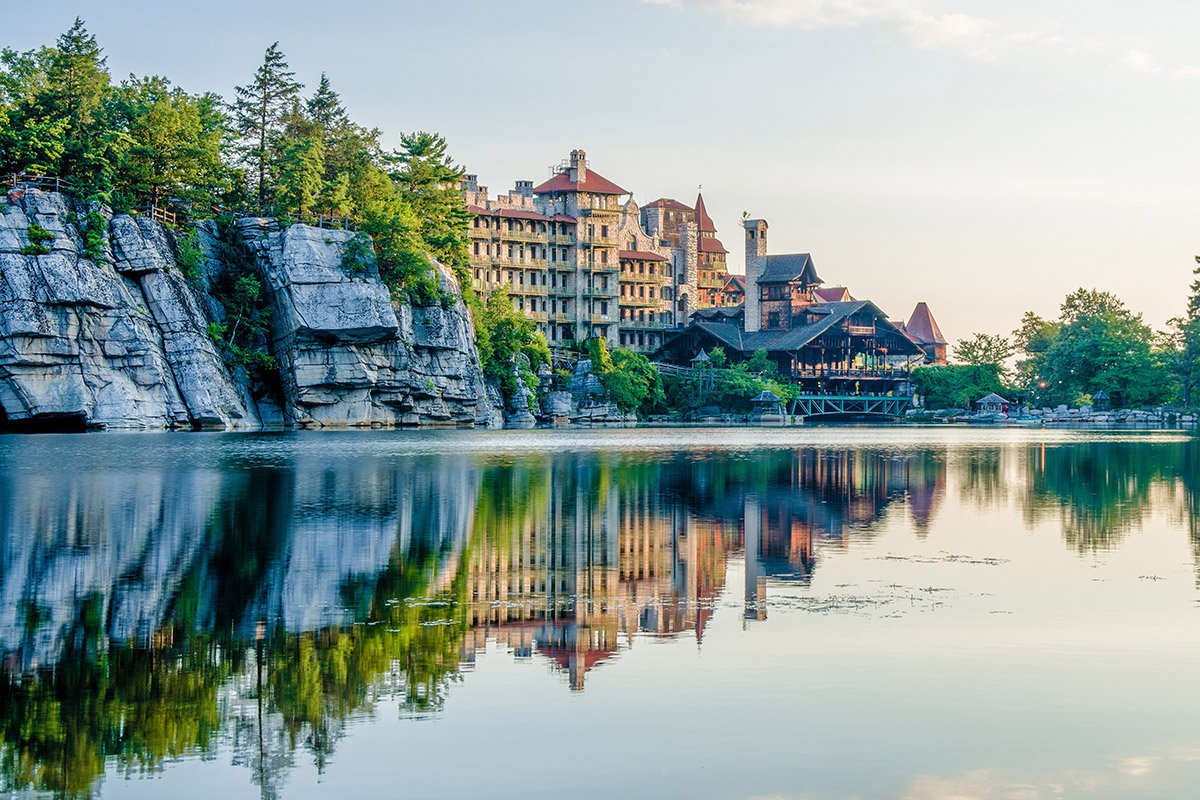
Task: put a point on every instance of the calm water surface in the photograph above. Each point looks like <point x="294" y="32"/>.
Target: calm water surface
<point x="821" y="613"/>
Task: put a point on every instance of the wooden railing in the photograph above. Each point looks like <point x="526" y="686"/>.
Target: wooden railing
<point x="159" y="214"/>
<point x="47" y="183"/>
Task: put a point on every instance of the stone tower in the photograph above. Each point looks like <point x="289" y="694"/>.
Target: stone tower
<point x="756" y="263"/>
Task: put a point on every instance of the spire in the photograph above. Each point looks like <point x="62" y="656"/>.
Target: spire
<point x="703" y="220"/>
<point x="923" y="327"/>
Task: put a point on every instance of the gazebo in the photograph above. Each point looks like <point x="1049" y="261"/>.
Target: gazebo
<point x="992" y="404"/>
<point x="767" y="403"/>
<point x="1101" y="401"/>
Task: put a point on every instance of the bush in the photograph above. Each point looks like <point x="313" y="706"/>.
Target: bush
<point x="501" y="334"/>
<point x="38" y="236"/>
<point x="188" y="254"/>
<point x="631" y="382"/>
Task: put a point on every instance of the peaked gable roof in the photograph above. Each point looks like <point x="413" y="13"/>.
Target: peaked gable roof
<point x="703" y="220"/>
<point x="833" y="294"/>
<point x="789" y="268"/>
<point x="923" y="327"/>
<point x="594" y="183"/>
<point x="668" y="202"/>
<point x="711" y="244"/>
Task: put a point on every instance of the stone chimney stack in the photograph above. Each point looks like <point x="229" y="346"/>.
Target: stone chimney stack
<point x="578" y="166"/>
<point x="525" y="188"/>
<point x="756" y="263"/>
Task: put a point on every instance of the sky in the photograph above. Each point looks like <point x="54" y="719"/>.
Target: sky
<point x="985" y="157"/>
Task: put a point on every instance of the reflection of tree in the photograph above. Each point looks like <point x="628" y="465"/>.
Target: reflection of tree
<point x="981" y="476"/>
<point x="1101" y="490"/>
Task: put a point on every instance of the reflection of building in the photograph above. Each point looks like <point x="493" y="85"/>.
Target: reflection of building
<point x="602" y="556"/>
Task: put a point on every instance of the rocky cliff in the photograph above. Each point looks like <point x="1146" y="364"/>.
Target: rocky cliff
<point x="122" y="340"/>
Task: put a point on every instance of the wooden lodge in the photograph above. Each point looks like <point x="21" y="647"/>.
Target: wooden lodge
<point x="825" y="340"/>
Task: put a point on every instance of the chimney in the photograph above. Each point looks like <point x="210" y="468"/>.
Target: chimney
<point x="525" y="188"/>
<point x="470" y="183"/>
<point x="756" y="263"/>
<point x="578" y="166"/>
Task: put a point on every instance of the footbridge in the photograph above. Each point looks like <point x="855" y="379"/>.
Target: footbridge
<point x="850" y="405"/>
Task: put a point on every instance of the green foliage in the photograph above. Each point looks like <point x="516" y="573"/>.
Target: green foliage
<point x="259" y="112"/>
<point x="1180" y="346"/>
<point x="141" y="141"/>
<point x="188" y="254"/>
<point x="984" y="348"/>
<point x="1097" y="344"/>
<point x="502" y="334"/>
<point x="428" y="179"/>
<point x="242" y="335"/>
<point x="357" y="255"/>
<point x="631" y="382"/>
<point x="38" y="237"/>
<point x="95" y="233"/>
<point x="173" y="143"/>
<point x="957" y="385"/>
<point x="728" y="389"/>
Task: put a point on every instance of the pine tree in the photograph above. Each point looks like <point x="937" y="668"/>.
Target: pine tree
<point x="258" y="114"/>
<point x="77" y="81"/>
<point x="325" y="107"/>
<point x="428" y="180"/>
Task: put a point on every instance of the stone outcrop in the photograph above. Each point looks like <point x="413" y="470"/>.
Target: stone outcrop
<point x="123" y="340"/>
<point x="108" y="342"/>
<point x="347" y="356"/>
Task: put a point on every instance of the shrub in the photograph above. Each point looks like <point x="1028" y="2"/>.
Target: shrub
<point x="38" y="236"/>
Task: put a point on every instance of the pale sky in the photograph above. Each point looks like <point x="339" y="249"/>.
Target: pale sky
<point x="986" y="157"/>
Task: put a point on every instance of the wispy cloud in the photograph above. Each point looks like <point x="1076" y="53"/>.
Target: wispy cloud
<point x="929" y="25"/>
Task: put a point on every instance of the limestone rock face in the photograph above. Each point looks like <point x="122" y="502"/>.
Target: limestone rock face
<point x="117" y="342"/>
<point x="75" y="335"/>
<point x="347" y="356"/>
<point x="123" y="341"/>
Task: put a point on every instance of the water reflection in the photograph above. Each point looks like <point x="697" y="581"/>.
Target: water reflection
<point x="152" y="613"/>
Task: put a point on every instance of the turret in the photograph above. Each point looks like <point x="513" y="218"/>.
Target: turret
<point x="756" y="263"/>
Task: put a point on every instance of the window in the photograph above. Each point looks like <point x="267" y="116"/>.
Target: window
<point x="603" y="256"/>
<point x="603" y="306"/>
<point x="773" y="319"/>
<point x="604" y="231"/>
<point x="477" y="248"/>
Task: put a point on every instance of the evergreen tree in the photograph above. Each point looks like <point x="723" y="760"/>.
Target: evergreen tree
<point x="258" y="115"/>
<point x="76" y="84"/>
<point x="429" y="181"/>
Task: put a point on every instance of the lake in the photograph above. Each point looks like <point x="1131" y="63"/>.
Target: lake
<point x="704" y="613"/>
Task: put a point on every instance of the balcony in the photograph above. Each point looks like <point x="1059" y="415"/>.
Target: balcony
<point x="562" y="316"/>
<point x="644" y="325"/>
<point x="539" y="291"/>
<point x="519" y="236"/>
<point x="603" y="294"/>
<point x="860" y="330"/>
<point x="642" y="277"/>
<point x="601" y="319"/>
<point x="640" y="302"/>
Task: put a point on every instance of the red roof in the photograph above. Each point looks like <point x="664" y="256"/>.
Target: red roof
<point x="594" y="183"/>
<point x="833" y="294"/>
<point x="738" y="282"/>
<point x="923" y="327"/>
<point x="702" y="218"/>
<point x="641" y="255"/>
<point x="710" y="244"/>
<point x="668" y="202"/>
<point x="517" y="213"/>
